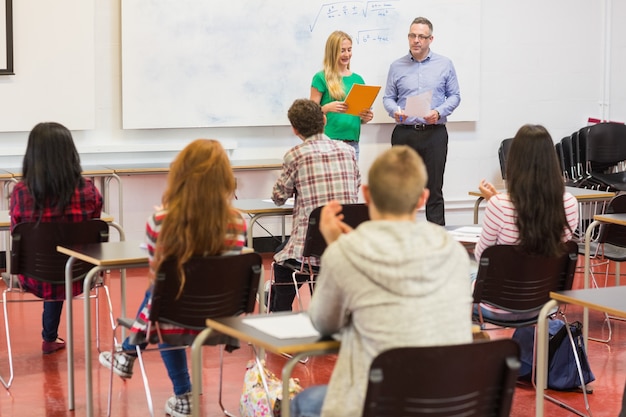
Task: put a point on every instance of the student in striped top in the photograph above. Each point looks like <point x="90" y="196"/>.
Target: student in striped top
<point x="536" y="212"/>
<point x="196" y="219"/>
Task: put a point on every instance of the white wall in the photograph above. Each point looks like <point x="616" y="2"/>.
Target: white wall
<point x="541" y="62"/>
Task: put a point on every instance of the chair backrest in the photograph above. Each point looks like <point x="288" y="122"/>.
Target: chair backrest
<point x="314" y="244"/>
<point x="614" y="234"/>
<point x="606" y="145"/>
<point x="559" y="154"/>
<point x="476" y="379"/>
<point x="503" y="152"/>
<point x="513" y="280"/>
<point x="34" y="248"/>
<point x="582" y="147"/>
<point x="215" y="286"/>
<point x="569" y="157"/>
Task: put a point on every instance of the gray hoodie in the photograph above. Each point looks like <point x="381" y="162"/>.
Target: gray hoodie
<point x="388" y="284"/>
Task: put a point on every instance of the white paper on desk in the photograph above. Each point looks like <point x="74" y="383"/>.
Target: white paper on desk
<point x="419" y="105"/>
<point x="289" y="201"/>
<point x="469" y="234"/>
<point x="290" y="326"/>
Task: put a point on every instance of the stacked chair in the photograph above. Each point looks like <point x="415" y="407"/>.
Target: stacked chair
<point x="593" y="158"/>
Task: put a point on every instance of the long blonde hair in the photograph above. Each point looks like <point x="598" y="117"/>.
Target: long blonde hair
<point x="331" y="60"/>
<point x="198" y="196"/>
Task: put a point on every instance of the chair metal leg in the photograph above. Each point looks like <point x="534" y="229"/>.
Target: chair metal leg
<point x="295" y="286"/>
<point x="261" y="369"/>
<point x="111" y="317"/>
<point x="110" y="396"/>
<point x="594" y="283"/>
<point x="226" y="412"/>
<point x="580" y="376"/>
<point x="7" y="383"/>
<point x="146" y="386"/>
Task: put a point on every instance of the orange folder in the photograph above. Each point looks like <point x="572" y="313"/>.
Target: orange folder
<point x="361" y="97"/>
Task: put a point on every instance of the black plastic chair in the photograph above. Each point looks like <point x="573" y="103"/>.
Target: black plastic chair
<point x="569" y="158"/>
<point x="215" y="287"/>
<point x="475" y="379"/>
<point x="314" y="246"/>
<point x="605" y="149"/>
<point x="34" y="254"/>
<point x="503" y="153"/>
<point x="518" y="282"/>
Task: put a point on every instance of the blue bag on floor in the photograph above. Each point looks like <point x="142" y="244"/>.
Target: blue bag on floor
<point x="562" y="370"/>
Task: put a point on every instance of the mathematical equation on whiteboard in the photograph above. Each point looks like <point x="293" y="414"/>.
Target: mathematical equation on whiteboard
<point x="359" y="12"/>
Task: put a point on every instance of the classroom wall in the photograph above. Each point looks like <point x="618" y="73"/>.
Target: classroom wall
<point x="555" y="63"/>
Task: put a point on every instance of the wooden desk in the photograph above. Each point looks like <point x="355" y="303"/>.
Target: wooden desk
<point x="258" y="208"/>
<point x="235" y="327"/>
<point x="106" y="255"/>
<point x="611" y="300"/>
<point x="256" y="164"/>
<point x="5" y="219"/>
<point x="582" y="195"/>
<point x="598" y="219"/>
<point x="151" y="168"/>
<point x="105" y="175"/>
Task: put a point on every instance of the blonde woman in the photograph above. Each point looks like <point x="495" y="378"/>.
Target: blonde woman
<point x="330" y="87"/>
<point x="196" y="219"/>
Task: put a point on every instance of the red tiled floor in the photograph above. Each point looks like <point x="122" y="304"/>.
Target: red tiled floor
<point x="40" y="386"/>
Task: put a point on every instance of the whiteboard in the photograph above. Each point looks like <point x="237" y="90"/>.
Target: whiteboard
<point x="199" y="63"/>
<point x="54" y="51"/>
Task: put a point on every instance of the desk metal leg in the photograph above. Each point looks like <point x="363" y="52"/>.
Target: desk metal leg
<point x="588" y="234"/>
<point x="542" y="356"/>
<point x="120" y="195"/>
<point x="476" y="207"/>
<point x="255" y="218"/>
<point x="93" y="272"/>
<point x="70" y="331"/>
<point x="196" y="370"/>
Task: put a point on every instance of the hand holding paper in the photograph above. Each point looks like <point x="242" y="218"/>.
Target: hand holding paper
<point x="419" y="105"/>
<point x="360" y="98"/>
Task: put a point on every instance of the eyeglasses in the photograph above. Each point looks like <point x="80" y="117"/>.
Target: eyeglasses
<point x="412" y="36"/>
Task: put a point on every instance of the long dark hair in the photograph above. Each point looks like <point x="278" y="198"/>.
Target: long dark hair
<point x="536" y="188"/>
<point x="51" y="167"/>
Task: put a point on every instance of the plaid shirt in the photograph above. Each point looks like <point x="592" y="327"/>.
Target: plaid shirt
<point x="316" y="171"/>
<point x="85" y="204"/>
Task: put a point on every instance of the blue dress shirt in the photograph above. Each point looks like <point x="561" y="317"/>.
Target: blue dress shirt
<point x="408" y="77"/>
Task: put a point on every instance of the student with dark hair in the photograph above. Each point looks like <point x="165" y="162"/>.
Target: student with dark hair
<point x="52" y="189"/>
<point x="535" y="212"/>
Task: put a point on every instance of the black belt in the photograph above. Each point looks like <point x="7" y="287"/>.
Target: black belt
<point x="421" y="126"/>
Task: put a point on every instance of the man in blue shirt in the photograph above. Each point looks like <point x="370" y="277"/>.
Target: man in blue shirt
<point x="422" y="71"/>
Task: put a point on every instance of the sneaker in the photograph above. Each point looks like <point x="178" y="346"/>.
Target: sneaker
<point x="122" y="363"/>
<point x="51" y="347"/>
<point x="179" y="405"/>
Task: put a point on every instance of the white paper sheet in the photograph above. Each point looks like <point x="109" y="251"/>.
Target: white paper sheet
<point x="289" y="201"/>
<point x="283" y="326"/>
<point x="419" y="105"/>
<point x="470" y="234"/>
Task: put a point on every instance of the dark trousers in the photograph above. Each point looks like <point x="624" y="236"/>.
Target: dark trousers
<point x="50" y="319"/>
<point x="432" y="145"/>
<point x="283" y="291"/>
